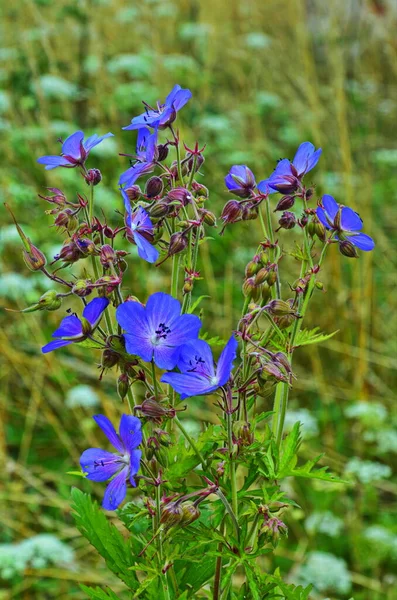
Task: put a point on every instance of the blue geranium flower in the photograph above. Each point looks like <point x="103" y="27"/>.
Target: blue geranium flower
<point x="139" y="230"/>
<point x="72" y="329"/>
<point x="146" y="155"/>
<point x="75" y="151"/>
<point x="198" y="375"/>
<point x="287" y="176"/>
<point x="345" y="222"/>
<point x="240" y="181"/>
<point x="164" y="114"/>
<point x="101" y="465"/>
<point x="158" y="330"/>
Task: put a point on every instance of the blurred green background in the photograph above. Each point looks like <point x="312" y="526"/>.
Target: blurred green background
<point x="265" y="76"/>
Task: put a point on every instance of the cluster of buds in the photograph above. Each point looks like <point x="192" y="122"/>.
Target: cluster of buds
<point x="273" y="527"/>
<point x="283" y="312"/>
<point x="243" y="435"/>
<point x="190" y="277"/>
<point x="272" y="367"/>
<point x="243" y="210"/>
<point x="260" y="275"/>
<point x="179" y="513"/>
<point x="155" y="411"/>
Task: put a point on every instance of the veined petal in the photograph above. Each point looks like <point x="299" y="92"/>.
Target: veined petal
<point x="94" y="140"/>
<point x="188" y="385"/>
<point x="131" y="316"/>
<point x="196" y="358"/>
<point x="225" y="362"/>
<point x="264" y="187"/>
<point x="330" y="205"/>
<point x="52" y="162"/>
<point x="313" y="160"/>
<point x="350" y="220"/>
<point x="162" y="308"/>
<point x="72" y="145"/>
<point x="135" y="463"/>
<point x="320" y="212"/>
<point x="145" y="249"/>
<point x="181" y="98"/>
<point x="99" y="464"/>
<point x="116" y="491"/>
<point x="70" y="327"/>
<point x="140" y="218"/>
<point x="130" y="432"/>
<point x="127" y="204"/>
<point x="94" y="309"/>
<point x="164" y="356"/>
<point x="362" y="241"/>
<point x="55" y="345"/>
<point x="110" y="432"/>
<point x="171" y="96"/>
<point x="139" y="346"/>
<point x="184" y="329"/>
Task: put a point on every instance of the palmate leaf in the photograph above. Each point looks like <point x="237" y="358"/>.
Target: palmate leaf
<point x="306" y="471"/>
<point x="106" y="539"/>
<point x="312" y="336"/>
<point x="99" y="594"/>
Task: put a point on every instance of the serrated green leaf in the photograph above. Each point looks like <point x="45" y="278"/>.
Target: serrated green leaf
<point x="289" y="451"/>
<point x="306" y="471"/>
<point x="99" y="594"/>
<point x="312" y="336"/>
<point x="214" y="341"/>
<point x="106" y="539"/>
<point x="196" y="303"/>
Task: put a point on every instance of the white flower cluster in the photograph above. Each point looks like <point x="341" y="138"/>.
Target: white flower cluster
<point x="326" y="572"/>
<point x="367" y="471"/>
<point x="324" y="522"/>
<point x="303" y="415"/>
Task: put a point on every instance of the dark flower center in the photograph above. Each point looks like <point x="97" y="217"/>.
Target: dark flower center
<point x="161" y="333"/>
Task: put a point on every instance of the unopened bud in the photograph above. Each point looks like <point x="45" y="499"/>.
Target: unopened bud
<point x="34" y="258"/>
<point x="93" y="177"/>
<point x="208" y="217"/>
<point x="133" y="192"/>
<point x="266" y="291"/>
<point x="181" y="195"/>
<point x="243" y="433"/>
<point x="49" y="301"/>
<point x="178" y="243"/>
<point x="252" y="268"/>
<point x="123" y="385"/>
<point x="319" y="285"/>
<point x="199" y="190"/>
<point x="271" y="278"/>
<point x="107" y="256"/>
<point x="348" y="249"/>
<point x="262" y="275"/>
<point x="66" y="219"/>
<point x="85" y="245"/>
<point x="159" y="209"/>
<point x="163" y="437"/>
<point x="187" y="287"/>
<point x="110" y="358"/>
<point x="190" y="512"/>
<point x="154" y="187"/>
<point x="320" y="231"/>
<point x="280" y="308"/>
<point x="231" y="211"/>
<point x="250" y="289"/>
<point x="263" y="258"/>
<point x="287" y="220"/>
<point x="162" y="150"/>
<point x="285" y="203"/>
<point x="171" y="514"/>
<point x="311" y="228"/>
<point x="151" y="409"/>
<point x="249" y="213"/>
<point x="82" y="288"/>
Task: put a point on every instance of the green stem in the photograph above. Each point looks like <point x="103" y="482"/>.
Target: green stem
<point x="229" y="509"/>
<point x="164" y="581"/>
<point x="233" y="479"/>
<point x="174" y="276"/>
<point x="154" y="380"/>
<point x="178" y="156"/>
<point x="190" y="441"/>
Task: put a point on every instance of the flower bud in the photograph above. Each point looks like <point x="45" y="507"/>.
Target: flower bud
<point x="181" y="195"/>
<point x="69" y="253"/>
<point x="116" y="343"/>
<point x="348" y="249"/>
<point x="66" y="219"/>
<point x="271" y="278"/>
<point x="268" y="372"/>
<point x="265" y="290"/>
<point x="154" y="187"/>
<point x="86" y="246"/>
<point x="319" y="285"/>
<point x="250" y="289"/>
<point x="231" y="211"/>
<point x="178" y="243"/>
<point x="171" y="514"/>
<point x="252" y="268"/>
<point x="82" y="288"/>
<point x="280" y="308"/>
<point x="133" y="192"/>
<point x="107" y="256"/>
<point x="208" y="217"/>
<point x="285" y="203"/>
<point x="320" y="231"/>
<point x="159" y="209"/>
<point x="249" y="213"/>
<point x="311" y="228"/>
<point x="199" y="190"/>
<point x="190" y="512"/>
<point x="263" y="258"/>
<point x="220" y="468"/>
<point x="163" y="437"/>
<point x="162" y="150"/>
<point x="285" y="321"/>
<point x="110" y="358"/>
<point x="287" y="220"/>
<point x="49" y="301"/>
<point x="93" y="177"/>
<point x="152" y="409"/>
<point x="187" y="287"/>
<point x="243" y="433"/>
<point x="273" y="529"/>
<point x="262" y="275"/>
<point x="123" y="385"/>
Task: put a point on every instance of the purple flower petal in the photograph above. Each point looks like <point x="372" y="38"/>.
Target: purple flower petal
<point x="350" y="220"/>
<point x="55" y="345"/>
<point x="264" y="187"/>
<point x="131" y="316"/>
<point x="181" y="98"/>
<point x="301" y="158"/>
<point x="196" y="358"/>
<point x="116" y="491"/>
<point x="225" y="363"/>
<point x="188" y="385"/>
<point x="70" y="327"/>
<point x="135" y="463"/>
<point x="130" y="432"/>
<point x="165" y="357"/>
<point x="94" y="309"/>
<point x="313" y="160"/>
<point x="162" y="308"/>
<point x="94" y="140"/>
<point x="184" y="329"/>
<point x="320" y="212"/>
<point x="141" y="220"/>
<point x="330" y="205"/>
<point x="362" y="241"/>
<point x="131" y="175"/>
<point x="72" y="145"/>
<point x="138" y="345"/>
<point x="110" y="432"/>
<point x="52" y="162"/>
<point x="99" y="464"/>
<point x="145" y="249"/>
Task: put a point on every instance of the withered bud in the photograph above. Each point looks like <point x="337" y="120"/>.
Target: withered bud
<point x="123" y="385"/>
<point x="82" y="288"/>
<point x="231" y="211"/>
<point x="107" y="256"/>
<point x="171" y="514"/>
<point x="273" y="529"/>
<point x="66" y="219"/>
<point x="178" y="243"/>
<point x="287" y="220"/>
<point x="181" y="195"/>
<point x="190" y="512"/>
<point x="93" y="177"/>
<point x="285" y="203"/>
<point x="348" y="249"/>
<point x="154" y="187"/>
<point x="243" y="433"/>
<point x="162" y="150"/>
<point x="34" y="258"/>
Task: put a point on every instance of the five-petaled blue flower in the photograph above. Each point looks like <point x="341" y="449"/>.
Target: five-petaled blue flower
<point x="158" y="330"/>
<point x="75" y="151"/>
<point x="164" y="114"/>
<point x="146" y="155"/>
<point x="72" y="329"/>
<point x="240" y="181"/>
<point x="345" y="222"/>
<point x="139" y="229"/>
<point x="101" y="465"/>
<point x="287" y="176"/>
<point x="198" y="375"/>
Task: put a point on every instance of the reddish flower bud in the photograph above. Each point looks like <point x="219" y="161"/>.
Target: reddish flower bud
<point x="159" y="209"/>
<point x="181" y="195"/>
<point x="107" y="256"/>
<point x="154" y="187"/>
<point x="190" y="512"/>
<point x="34" y="258"/>
<point x="285" y="203"/>
<point x="231" y="211"/>
<point x="82" y="288"/>
<point x="133" y="192"/>
<point x="93" y="177"/>
<point x="178" y="243"/>
<point x="162" y="150"/>
<point x="171" y="514"/>
<point x="287" y="221"/>
<point x="208" y="217"/>
<point x="348" y="249"/>
<point x="262" y="275"/>
<point x="110" y="358"/>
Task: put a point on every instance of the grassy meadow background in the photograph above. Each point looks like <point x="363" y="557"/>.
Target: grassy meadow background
<point x="265" y="76"/>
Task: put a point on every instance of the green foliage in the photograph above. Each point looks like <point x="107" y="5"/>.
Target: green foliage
<point x="99" y="594"/>
<point x="306" y="337"/>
